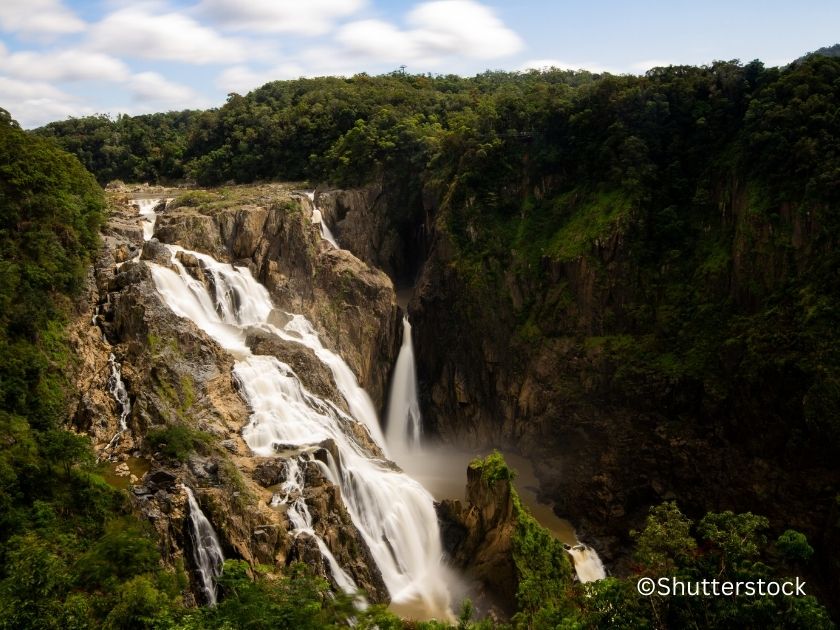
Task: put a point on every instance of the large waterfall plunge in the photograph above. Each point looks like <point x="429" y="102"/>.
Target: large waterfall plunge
<point x="393" y="513"/>
<point x="438" y="468"/>
<point x="404" y="422"/>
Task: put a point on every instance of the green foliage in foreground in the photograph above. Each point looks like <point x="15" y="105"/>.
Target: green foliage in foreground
<point x="71" y="555"/>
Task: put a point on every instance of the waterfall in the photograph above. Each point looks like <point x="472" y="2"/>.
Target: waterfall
<point x="318" y="219"/>
<point x="301" y="520"/>
<point x="394" y="514"/>
<point x="588" y="565"/>
<point x="120" y="394"/>
<point x="404" y="422"/>
<point x="207" y="555"/>
<point x="325" y="232"/>
<point x="118" y="391"/>
<point x="147" y="211"/>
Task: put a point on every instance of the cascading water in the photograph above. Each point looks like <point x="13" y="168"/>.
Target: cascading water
<point x="147" y="211"/>
<point x="588" y="565"/>
<point x="118" y="391"/>
<point x="405" y="424"/>
<point x="207" y="555"/>
<point x="117" y="388"/>
<point x="301" y="520"/>
<point x="394" y="514"/>
<point x="326" y="234"/>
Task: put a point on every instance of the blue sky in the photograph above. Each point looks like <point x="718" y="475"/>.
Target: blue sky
<point x="62" y="58"/>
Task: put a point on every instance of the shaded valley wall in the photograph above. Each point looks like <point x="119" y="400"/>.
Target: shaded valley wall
<point x="581" y="365"/>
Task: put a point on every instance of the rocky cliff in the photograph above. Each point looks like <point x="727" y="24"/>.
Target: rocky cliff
<point x="351" y="303"/>
<point x="186" y="412"/>
<point x="629" y="385"/>
<point x="630" y="375"/>
<point x="493" y="538"/>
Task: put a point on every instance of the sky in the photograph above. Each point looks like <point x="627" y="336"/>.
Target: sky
<point x="61" y="58"/>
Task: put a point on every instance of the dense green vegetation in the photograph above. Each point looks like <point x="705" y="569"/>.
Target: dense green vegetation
<point x="130" y="148"/>
<point x="71" y="555"/>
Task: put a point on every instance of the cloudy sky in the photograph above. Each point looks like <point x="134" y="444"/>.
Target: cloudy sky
<point x="62" y="58"/>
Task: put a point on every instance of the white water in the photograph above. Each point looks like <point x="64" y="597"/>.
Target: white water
<point x="405" y="424"/>
<point x="318" y="219"/>
<point x="120" y="394"/>
<point x="118" y="391"/>
<point x="301" y="520"/>
<point x="588" y="565"/>
<point x="147" y="211"/>
<point x="207" y="555"/>
<point x="394" y="513"/>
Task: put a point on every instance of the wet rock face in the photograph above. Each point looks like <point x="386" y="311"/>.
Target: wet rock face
<point x="362" y="223"/>
<point x="352" y="305"/>
<point x="178" y="378"/>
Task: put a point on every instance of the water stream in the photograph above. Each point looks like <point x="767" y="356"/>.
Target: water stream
<point x="147" y="211"/>
<point x="301" y="520"/>
<point x="588" y="565"/>
<point x="120" y="394"/>
<point x="404" y="422"/>
<point x="318" y="219"/>
<point x="207" y="555"/>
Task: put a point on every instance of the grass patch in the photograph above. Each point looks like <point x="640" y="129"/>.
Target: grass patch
<point x="589" y="219"/>
<point x="178" y="441"/>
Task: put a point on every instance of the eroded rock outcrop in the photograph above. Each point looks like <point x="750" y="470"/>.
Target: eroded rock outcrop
<point x="493" y="538"/>
<point x="478" y="535"/>
<point x="268" y="229"/>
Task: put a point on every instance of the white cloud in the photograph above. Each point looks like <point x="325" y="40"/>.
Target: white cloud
<point x="38" y="17"/>
<point x="463" y="27"/>
<point x="313" y="17"/>
<point x="34" y="103"/>
<point x="546" y="64"/>
<point x="440" y="28"/>
<point x="647" y="64"/>
<point x="138" y="33"/>
<point x="65" y="65"/>
<point x="381" y="40"/>
<point x="242" y="79"/>
<point x="152" y="88"/>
